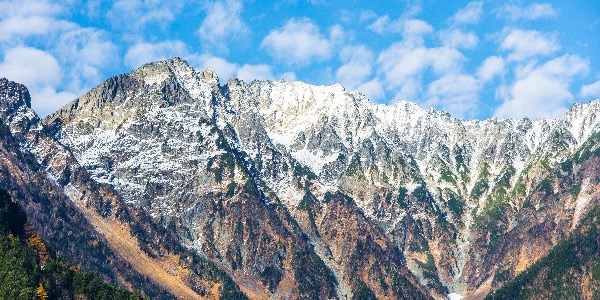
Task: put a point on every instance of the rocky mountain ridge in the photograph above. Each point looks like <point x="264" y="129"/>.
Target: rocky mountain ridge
<point x="268" y="180"/>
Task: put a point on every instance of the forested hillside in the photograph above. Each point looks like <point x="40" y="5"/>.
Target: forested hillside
<point x="30" y="270"/>
<point x="571" y="270"/>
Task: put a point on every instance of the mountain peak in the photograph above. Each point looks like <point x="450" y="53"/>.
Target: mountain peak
<point x="13" y="95"/>
<point x="209" y="76"/>
<point x="15" y="105"/>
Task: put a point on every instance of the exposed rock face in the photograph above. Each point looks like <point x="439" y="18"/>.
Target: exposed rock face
<point x="87" y="221"/>
<point x="300" y="191"/>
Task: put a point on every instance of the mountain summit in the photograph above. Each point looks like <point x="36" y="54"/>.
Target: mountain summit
<point x="288" y="190"/>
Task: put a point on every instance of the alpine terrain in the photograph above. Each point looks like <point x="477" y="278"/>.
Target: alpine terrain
<point x="168" y="181"/>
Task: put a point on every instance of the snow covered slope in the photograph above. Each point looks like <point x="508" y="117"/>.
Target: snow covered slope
<point x="444" y="192"/>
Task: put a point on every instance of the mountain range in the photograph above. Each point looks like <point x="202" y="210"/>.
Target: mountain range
<point x="167" y="181"/>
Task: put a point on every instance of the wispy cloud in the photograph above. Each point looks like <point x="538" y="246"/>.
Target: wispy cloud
<point x="134" y="15"/>
<point x="532" y="12"/>
<point x="143" y="52"/>
<point x="458" y="39"/>
<point x="591" y="90"/>
<point x="470" y="14"/>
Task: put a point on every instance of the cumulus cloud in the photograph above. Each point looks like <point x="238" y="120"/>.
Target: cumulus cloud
<point x="41" y="73"/>
<point x="491" y="66"/>
<point x="142" y="53"/>
<point x="223" y="23"/>
<point x="458" y="39"/>
<point x="543" y="91"/>
<point x="524" y="44"/>
<point x="470" y="14"/>
<point x="457" y="94"/>
<point x="591" y="90"/>
<point x="298" y="42"/>
<point x="531" y="12"/>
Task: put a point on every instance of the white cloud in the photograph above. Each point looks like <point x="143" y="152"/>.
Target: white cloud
<point x="21" y="19"/>
<point x="383" y="25"/>
<point x="399" y="63"/>
<point x="136" y="14"/>
<point x="41" y="73"/>
<point x="49" y="100"/>
<point x="471" y="14"/>
<point x="491" y="66"/>
<point x="142" y="53"/>
<point x="32" y="67"/>
<point x="457" y="94"/>
<point x="458" y="39"/>
<point x="543" y="91"/>
<point x="444" y="60"/>
<point x="524" y="44"/>
<point x="223" y="23"/>
<point x="357" y="66"/>
<point x="373" y="89"/>
<point x="249" y="73"/>
<point x="367" y="15"/>
<point x="246" y="72"/>
<point x="224" y="69"/>
<point x="289" y="76"/>
<point x="25" y="26"/>
<point x="85" y="51"/>
<point x="29" y="7"/>
<point x="591" y="90"/>
<point x="413" y="32"/>
<point x="531" y="12"/>
<point x="299" y="42"/>
<point x="402" y="66"/>
<point x="357" y="70"/>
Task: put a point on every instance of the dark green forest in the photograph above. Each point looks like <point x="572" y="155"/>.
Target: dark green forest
<point x="30" y="270"/>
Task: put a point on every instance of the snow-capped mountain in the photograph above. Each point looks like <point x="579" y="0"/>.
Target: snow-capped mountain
<point x="302" y="191"/>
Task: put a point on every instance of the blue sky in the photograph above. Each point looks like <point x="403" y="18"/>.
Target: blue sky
<point x="474" y="59"/>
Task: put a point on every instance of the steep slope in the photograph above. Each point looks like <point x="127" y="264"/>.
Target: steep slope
<point x="571" y="270"/>
<point x="28" y="269"/>
<point x="164" y="137"/>
<point x="87" y="221"/>
<point x="271" y="180"/>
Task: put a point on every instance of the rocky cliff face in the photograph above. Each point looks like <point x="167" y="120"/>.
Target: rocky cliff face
<point x="300" y="191"/>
